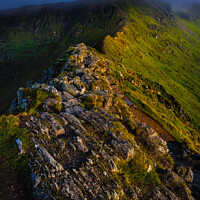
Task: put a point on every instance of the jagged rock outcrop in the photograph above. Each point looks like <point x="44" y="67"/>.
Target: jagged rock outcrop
<point x="81" y="150"/>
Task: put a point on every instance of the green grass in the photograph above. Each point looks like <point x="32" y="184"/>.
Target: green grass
<point x="135" y="173"/>
<point x="22" y="45"/>
<point x="12" y="165"/>
<point x="164" y="54"/>
<point x="193" y="26"/>
<point x="37" y="98"/>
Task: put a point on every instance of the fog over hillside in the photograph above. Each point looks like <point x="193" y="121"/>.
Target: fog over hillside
<point x="181" y="3"/>
<point x="189" y="9"/>
<point x="9" y="4"/>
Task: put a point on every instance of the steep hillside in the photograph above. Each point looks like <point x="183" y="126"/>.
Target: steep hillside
<point x="158" y="58"/>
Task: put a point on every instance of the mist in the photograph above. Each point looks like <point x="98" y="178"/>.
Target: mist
<point x="181" y="1"/>
<point x="176" y="4"/>
<point x="9" y="4"/>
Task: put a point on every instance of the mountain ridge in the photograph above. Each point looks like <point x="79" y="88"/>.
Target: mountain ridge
<point x="91" y="113"/>
<point x="80" y="134"/>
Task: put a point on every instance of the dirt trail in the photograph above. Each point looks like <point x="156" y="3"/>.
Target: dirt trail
<point x="143" y="117"/>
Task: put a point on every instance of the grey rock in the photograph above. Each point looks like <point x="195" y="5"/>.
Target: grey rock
<point x="41" y="194"/>
<point x="162" y="194"/>
<point x="66" y="96"/>
<point x="61" y="144"/>
<point x="112" y="165"/>
<point x="122" y="148"/>
<point x="73" y="121"/>
<point x="56" y="128"/>
<point x="78" y="142"/>
<point x="185" y="173"/>
<point x="48" y="158"/>
<point x="77" y="150"/>
<point x="132" y="193"/>
<point x="35" y="179"/>
<point x="72" y="106"/>
<point x="72" y="147"/>
<point x="176" y="184"/>
<point x="20" y="103"/>
<point x="99" y="123"/>
<point x="19" y="146"/>
<point x="69" y="88"/>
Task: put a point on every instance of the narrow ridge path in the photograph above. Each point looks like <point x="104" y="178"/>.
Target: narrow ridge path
<point x="143" y="117"/>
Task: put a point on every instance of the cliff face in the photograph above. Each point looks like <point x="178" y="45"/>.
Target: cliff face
<point x="85" y="143"/>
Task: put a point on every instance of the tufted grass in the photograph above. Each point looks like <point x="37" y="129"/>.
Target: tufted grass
<point x="37" y="98"/>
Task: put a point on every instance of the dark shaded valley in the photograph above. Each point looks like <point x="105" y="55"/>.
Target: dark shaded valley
<point x="32" y="37"/>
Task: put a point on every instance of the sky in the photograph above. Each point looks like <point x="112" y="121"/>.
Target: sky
<point x="8" y="4"/>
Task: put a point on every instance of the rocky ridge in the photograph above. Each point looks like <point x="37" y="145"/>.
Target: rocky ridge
<point x="85" y="142"/>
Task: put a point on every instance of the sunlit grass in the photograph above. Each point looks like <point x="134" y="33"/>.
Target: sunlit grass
<point x="165" y="54"/>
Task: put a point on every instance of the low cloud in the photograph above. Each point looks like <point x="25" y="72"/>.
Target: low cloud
<point x="181" y="2"/>
<point x="9" y="4"/>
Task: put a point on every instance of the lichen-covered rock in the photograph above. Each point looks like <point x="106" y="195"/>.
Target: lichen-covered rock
<point x="20" y="103"/>
<point x="45" y="156"/>
<point x="56" y="128"/>
<point x="176" y="184"/>
<point x="48" y="88"/>
<point x="185" y="173"/>
<point x="97" y="99"/>
<point x="69" y="88"/>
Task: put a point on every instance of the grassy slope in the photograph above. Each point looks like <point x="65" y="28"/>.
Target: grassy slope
<point x="165" y="54"/>
<point x="14" y="170"/>
<point x="194" y="26"/>
<point x="22" y="46"/>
